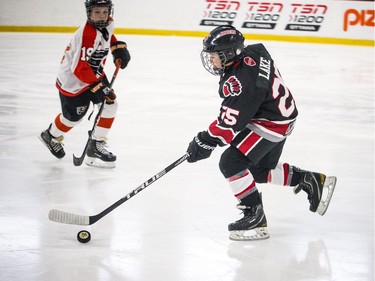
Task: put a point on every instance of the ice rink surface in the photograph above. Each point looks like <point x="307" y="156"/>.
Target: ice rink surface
<point x="176" y="229"/>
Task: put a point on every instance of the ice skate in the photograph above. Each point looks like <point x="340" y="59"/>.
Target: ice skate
<point x="54" y="145"/>
<point x="319" y="189"/>
<point x="253" y="226"/>
<point x="99" y="156"/>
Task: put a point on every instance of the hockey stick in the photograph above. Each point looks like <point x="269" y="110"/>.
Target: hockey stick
<point x="77" y="161"/>
<point x="69" y="218"/>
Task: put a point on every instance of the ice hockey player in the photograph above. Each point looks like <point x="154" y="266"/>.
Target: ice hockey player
<point x="257" y="114"/>
<point x="81" y="80"/>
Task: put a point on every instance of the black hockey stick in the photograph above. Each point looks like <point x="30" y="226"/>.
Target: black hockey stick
<point x="69" y="218"/>
<point x="77" y="161"/>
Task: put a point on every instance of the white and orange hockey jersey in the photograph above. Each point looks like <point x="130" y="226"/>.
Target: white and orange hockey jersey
<point x="84" y="59"/>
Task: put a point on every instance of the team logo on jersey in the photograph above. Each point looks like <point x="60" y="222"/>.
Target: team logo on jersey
<point x="232" y="87"/>
<point x="81" y="110"/>
<point x="249" y="61"/>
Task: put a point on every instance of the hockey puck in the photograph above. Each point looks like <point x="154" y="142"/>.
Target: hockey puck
<point x="83" y="236"/>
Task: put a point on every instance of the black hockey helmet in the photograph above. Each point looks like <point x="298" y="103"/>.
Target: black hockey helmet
<point x="90" y="4"/>
<point x="227" y="42"/>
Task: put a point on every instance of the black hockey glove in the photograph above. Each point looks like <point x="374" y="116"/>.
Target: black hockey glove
<point x="102" y="91"/>
<point x="120" y="53"/>
<point x="200" y="147"/>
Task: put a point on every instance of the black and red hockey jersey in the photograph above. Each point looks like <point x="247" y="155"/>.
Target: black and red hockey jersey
<point x="254" y="96"/>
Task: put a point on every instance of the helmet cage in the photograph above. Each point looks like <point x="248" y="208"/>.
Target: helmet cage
<point x="90" y="4"/>
<point x="209" y="66"/>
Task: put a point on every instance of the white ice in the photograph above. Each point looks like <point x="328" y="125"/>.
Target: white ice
<point x="176" y="229"/>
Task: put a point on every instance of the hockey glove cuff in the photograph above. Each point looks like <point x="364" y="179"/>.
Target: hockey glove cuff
<point x="120" y="53"/>
<point x="200" y="147"/>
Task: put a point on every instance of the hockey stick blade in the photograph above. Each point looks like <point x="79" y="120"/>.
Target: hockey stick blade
<point x="69" y="218"/>
<point x="77" y="161"/>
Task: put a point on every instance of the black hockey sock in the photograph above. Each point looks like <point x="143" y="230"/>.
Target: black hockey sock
<point x="251" y="199"/>
<point x="296" y="176"/>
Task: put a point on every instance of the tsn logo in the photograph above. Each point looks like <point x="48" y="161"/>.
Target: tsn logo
<point x="264" y="7"/>
<point x="223" y="5"/>
<point x="308" y="9"/>
<point x="221" y="9"/>
<point x="264" y="11"/>
<point x="308" y="13"/>
<point x="354" y="17"/>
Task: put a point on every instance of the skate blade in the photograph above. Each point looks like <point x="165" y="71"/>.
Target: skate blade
<point x="328" y="189"/>
<point x="259" y="233"/>
<point x="95" y="162"/>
